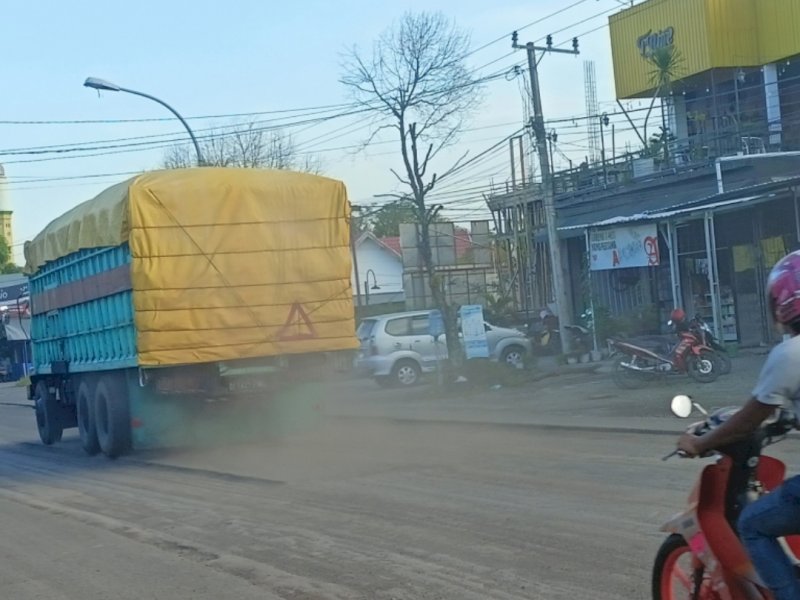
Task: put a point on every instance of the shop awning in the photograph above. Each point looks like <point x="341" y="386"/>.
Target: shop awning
<point x="666" y="214"/>
<point x="715" y="203"/>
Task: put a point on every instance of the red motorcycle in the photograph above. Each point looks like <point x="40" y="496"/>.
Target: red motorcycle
<point x="703" y="558"/>
<point x="637" y="364"/>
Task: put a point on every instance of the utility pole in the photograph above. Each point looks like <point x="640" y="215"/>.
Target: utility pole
<point x="552" y="137"/>
<point x="559" y="284"/>
<point x="603" y="122"/>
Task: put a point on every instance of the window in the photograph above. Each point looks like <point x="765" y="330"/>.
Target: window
<point x="365" y="328"/>
<point x="399" y="326"/>
<point x="420" y="325"/>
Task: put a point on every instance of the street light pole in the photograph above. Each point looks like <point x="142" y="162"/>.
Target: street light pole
<point x="375" y="285"/>
<point x="100" y="84"/>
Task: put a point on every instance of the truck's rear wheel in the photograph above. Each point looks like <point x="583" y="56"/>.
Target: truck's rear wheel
<point x="87" y="424"/>
<point x="112" y="416"/>
<point x="48" y="415"/>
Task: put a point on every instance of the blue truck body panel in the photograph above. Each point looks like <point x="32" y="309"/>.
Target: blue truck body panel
<point x="97" y="335"/>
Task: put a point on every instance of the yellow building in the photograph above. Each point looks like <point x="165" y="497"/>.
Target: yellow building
<point x="736" y="84"/>
<point x="6" y="225"/>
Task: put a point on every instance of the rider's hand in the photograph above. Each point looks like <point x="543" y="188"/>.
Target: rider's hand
<point x="689" y="444"/>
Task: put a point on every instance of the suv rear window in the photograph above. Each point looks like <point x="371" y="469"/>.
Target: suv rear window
<point x="365" y="328"/>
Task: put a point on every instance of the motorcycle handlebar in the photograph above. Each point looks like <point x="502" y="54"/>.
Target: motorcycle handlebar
<point x="676" y="452"/>
<point x="784" y="422"/>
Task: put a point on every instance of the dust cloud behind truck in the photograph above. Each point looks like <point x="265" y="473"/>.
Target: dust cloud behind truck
<point x="173" y="305"/>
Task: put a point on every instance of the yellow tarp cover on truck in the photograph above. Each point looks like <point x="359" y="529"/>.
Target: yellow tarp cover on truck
<point x="225" y="263"/>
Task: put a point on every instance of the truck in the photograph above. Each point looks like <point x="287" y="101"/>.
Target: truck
<point x="189" y="305"/>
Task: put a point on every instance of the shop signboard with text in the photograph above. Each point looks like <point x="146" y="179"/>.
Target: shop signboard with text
<point x="624" y="247"/>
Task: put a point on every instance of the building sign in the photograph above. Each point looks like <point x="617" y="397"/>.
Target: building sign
<point x="652" y="41"/>
<point x="624" y="247"/>
<point x="472" y="327"/>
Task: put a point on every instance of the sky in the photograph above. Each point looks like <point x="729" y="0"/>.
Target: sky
<point x="254" y="56"/>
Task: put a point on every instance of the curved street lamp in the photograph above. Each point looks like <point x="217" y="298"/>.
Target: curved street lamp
<point x="101" y="84"/>
<point x="375" y="285"/>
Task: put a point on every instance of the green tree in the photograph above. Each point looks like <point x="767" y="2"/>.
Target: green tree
<point x="5" y="251"/>
<point x="386" y="220"/>
<point x="666" y="65"/>
<point x="7" y="265"/>
<point x="10" y="268"/>
<point x="657" y="142"/>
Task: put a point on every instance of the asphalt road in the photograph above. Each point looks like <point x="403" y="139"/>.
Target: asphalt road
<point x="487" y="503"/>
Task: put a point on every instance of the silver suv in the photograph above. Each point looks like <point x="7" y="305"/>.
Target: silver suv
<point x="397" y="348"/>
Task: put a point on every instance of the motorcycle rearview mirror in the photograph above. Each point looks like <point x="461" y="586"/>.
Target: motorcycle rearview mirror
<point x="682" y="406"/>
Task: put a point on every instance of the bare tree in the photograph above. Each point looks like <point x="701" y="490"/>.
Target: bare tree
<point x="416" y="83"/>
<point x="244" y="145"/>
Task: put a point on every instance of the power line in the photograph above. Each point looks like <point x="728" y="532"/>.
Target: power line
<point x="87" y="147"/>
<point x="136" y="146"/>
<point x="217" y="128"/>
<point x="505" y="36"/>
<point x="23" y="179"/>
<point x="326" y="107"/>
<point x="161" y="143"/>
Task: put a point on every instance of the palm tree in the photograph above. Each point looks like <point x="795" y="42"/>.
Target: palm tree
<point x="666" y="64"/>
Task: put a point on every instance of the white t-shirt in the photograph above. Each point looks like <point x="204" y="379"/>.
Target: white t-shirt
<point x="779" y="381"/>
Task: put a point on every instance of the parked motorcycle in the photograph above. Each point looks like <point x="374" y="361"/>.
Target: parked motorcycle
<point x="636" y="363"/>
<point x="545" y="336"/>
<point x="703" y="557"/>
<point x="703" y="330"/>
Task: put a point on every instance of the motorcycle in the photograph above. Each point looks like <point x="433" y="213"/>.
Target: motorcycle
<point x="546" y="336"/>
<point x="707" y="337"/>
<point x="703" y="558"/>
<point x="637" y="363"/>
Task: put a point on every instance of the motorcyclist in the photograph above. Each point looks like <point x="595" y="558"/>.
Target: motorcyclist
<point x="777" y="514"/>
<point x="679" y="320"/>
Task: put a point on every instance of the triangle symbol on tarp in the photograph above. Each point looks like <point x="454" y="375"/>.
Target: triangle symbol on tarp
<point x="297" y="326"/>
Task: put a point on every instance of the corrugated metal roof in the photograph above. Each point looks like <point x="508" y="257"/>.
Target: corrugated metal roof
<point x="712" y="202"/>
<point x="661" y="215"/>
<point x="676" y="190"/>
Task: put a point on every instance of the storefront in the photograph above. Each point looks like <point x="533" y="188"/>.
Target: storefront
<point x="710" y="258"/>
<point x="748" y="242"/>
<point x="15" y="327"/>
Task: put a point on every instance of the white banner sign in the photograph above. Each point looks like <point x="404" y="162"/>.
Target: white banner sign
<point x="624" y="247"/>
<point x="475" y="343"/>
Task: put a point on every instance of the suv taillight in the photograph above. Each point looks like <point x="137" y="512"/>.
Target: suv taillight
<point x="373" y="349"/>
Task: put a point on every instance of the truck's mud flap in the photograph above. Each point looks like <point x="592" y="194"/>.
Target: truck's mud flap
<point x="162" y="421"/>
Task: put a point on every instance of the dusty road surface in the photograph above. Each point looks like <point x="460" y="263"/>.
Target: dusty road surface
<point x="376" y="508"/>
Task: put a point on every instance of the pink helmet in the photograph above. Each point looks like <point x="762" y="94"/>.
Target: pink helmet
<point x="783" y="289"/>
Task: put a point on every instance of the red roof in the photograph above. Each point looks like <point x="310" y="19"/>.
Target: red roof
<point x="463" y="241"/>
<point x="392" y="242"/>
